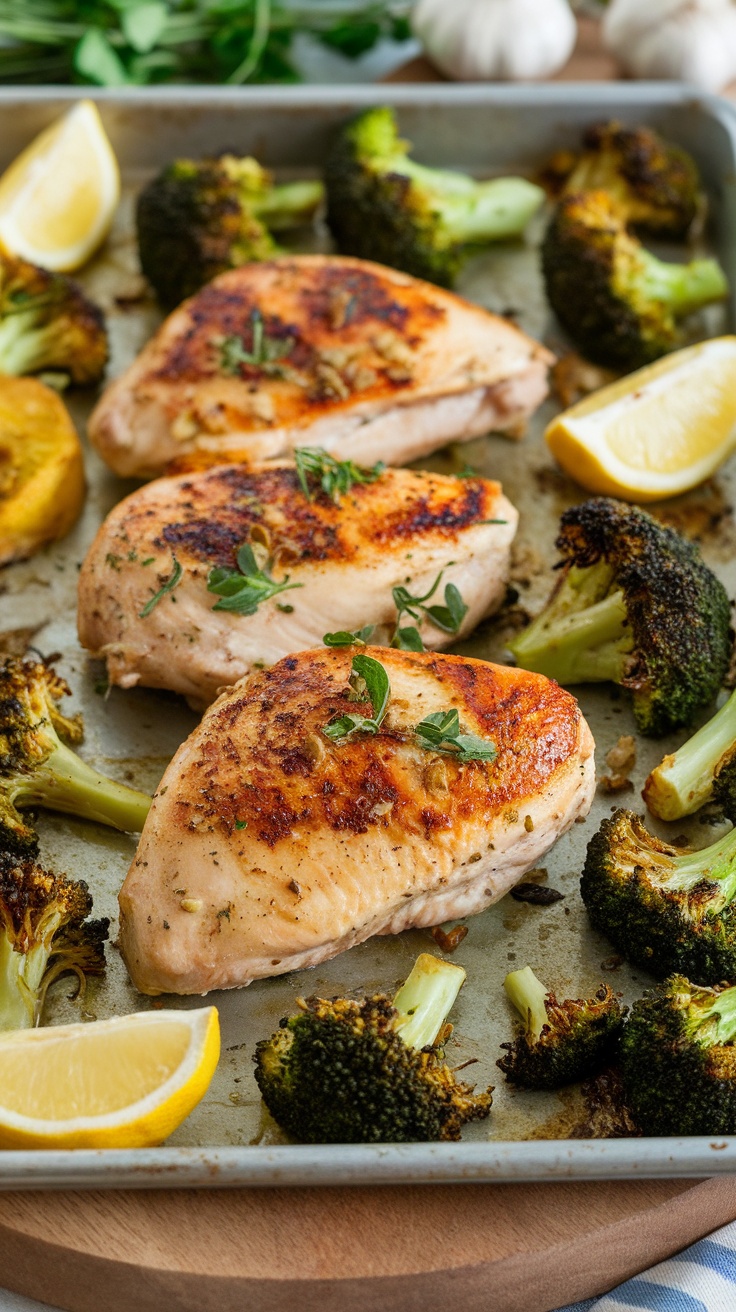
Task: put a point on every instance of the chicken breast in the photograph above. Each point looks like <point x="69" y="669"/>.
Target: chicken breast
<point x="364" y="361"/>
<point x="270" y="847"/>
<point x="343" y="559"/>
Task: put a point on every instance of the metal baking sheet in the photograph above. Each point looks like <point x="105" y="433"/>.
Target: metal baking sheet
<point x="229" y="1140"/>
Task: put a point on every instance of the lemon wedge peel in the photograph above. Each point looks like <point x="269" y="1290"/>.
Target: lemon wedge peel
<point x="656" y="433"/>
<point x="58" y="198"/>
<point x="40" y="1065"/>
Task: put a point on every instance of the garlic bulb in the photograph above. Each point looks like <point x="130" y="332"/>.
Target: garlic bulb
<point x="487" y="40"/>
<point x="687" y="40"/>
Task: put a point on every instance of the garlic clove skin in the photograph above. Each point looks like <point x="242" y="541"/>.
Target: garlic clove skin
<point x="685" y="40"/>
<point x="496" y="40"/>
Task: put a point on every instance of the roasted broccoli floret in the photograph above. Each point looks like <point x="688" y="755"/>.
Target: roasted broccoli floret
<point x="634" y="604"/>
<point x="44" y="932"/>
<point x="619" y="304"/>
<point x="383" y="206"/>
<point x="655" y="184"/>
<point x="48" y="324"/>
<point x="37" y="767"/>
<point x="702" y="770"/>
<point x="665" y="908"/>
<point x="679" y="1059"/>
<point x="365" y="1071"/>
<point x="558" y="1042"/>
<point x="199" y="218"/>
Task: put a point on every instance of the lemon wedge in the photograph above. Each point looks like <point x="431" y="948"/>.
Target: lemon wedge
<point x="58" y="198"/>
<point x="121" y="1083"/>
<point x="658" y="431"/>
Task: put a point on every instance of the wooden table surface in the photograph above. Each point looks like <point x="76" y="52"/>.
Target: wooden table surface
<point x="481" y="1248"/>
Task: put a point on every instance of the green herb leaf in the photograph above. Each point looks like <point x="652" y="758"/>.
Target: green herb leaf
<point x="243" y="589"/>
<point x="333" y="477"/>
<point x="448" y="617"/>
<point x="343" y="638"/>
<point x="264" y="352"/>
<point x="168" y="586"/>
<point x="96" y="61"/>
<point x="367" y="676"/>
<point x="143" y="24"/>
<point x="440" y="732"/>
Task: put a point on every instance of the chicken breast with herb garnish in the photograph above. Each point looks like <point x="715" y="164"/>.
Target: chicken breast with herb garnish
<point x="319" y="350"/>
<point x="345" y="793"/>
<point x="193" y="581"/>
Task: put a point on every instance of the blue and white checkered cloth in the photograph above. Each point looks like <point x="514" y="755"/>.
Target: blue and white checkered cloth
<point x="700" y="1279"/>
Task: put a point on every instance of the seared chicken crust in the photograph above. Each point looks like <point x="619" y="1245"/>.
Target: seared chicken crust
<point x="365" y="361"/>
<point x="402" y="529"/>
<point x="269" y="847"/>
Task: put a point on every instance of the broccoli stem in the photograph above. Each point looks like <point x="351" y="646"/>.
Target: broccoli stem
<point x="716" y="864"/>
<point x="682" y="287"/>
<point x="713" y="1021"/>
<point x="578" y="646"/>
<point x="21" y="974"/>
<point x="23" y="346"/>
<point x="683" y="782"/>
<point x="64" y="782"/>
<point x="288" y="204"/>
<point x="528" y="995"/>
<point x="493" y="210"/>
<point x="425" y="1000"/>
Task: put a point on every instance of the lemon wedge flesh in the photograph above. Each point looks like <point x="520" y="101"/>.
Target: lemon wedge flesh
<point x="121" y="1083"/>
<point x="658" y="431"/>
<point x="58" y="198"/>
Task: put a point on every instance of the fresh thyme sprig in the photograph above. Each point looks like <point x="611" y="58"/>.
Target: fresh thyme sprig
<point x="243" y="589"/>
<point x="168" y="586"/>
<point x="448" y="617"/>
<point x="264" y="354"/>
<point x="316" y="468"/>
<point x="440" y="732"/>
<point x="369" y="680"/>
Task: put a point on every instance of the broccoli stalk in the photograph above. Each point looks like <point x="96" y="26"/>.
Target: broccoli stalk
<point x="634" y="605"/>
<point x="38" y="768"/>
<point x="665" y="909"/>
<point x="47" y="323"/>
<point x="679" y="1060"/>
<point x="44" y="933"/>
<point x="558" y="1042"/>
<point x="345" y="1071"/>
<point x="199" y="218"/>
<point x="382" y="205"/>
<point x="703" y="769"/>
<point x="619" y="304"/>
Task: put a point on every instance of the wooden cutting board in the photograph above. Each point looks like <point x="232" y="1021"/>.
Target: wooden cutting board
<point x="480" y="1248"/>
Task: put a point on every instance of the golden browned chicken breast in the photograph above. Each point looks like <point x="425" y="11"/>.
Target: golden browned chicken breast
<point x="281" y="835"/>
<point x="323" y="350"/>
<point x="340" y="558"/>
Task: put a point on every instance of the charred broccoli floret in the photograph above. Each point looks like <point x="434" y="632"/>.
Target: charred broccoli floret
<point x="634" y="604"/>
<point x="38" y="767"/>
<point x="619" y="304"/>
<point x="702" y="770"/>
<point x="383" y="206"/>
<point x="665" y="908"/>
<point x="365" y="1071"/>
<point x="48" y="324"/>
<point x="654" y="183"/>
<point x="679" y="1059"/>
<point x="558" y="1042"/>
<point x="44" y="933"/>
<point x="198" y="218"/>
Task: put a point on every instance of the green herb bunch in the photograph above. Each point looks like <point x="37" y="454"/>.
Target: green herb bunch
<point x="138" y="42"/>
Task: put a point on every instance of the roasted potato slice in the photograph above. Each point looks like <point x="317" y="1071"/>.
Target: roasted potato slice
<point x="41" y="468"/>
